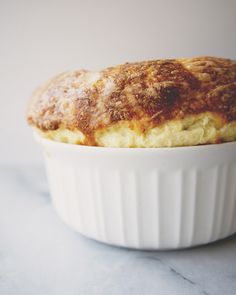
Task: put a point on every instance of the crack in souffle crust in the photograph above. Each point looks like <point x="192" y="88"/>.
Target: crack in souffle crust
<point x="141" y="96"/>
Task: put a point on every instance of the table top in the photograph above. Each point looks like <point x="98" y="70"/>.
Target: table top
<point x="41" y="255"/>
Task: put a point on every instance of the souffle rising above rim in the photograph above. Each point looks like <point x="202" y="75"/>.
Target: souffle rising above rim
<point x="159" y="103"/>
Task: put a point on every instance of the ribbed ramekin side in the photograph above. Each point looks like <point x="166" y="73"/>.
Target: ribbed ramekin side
<point x="227" y="225"/>
<point x="148" y="209"/>
<point x="145" y="202"/>
<point x="205" y="204"/>
<point x="215" y="206"/>
<point x="72" y="191"/>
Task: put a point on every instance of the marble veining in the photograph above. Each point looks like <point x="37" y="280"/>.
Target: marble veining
<point x="41" y="255"/>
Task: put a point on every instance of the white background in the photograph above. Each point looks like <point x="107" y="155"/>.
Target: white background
<point x="39" y="39"/>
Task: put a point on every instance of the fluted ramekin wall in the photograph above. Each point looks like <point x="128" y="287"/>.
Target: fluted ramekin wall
<point x="145" y="198"/>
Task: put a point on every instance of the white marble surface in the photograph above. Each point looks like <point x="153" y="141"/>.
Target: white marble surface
<point x="40" y="255"/>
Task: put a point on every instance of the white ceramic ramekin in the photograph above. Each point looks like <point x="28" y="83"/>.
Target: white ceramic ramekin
<point x="160" y="198"/>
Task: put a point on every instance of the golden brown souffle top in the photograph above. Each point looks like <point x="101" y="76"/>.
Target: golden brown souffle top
<point x="144" y="95"/>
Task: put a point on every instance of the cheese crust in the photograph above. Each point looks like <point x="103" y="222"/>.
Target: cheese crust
<point x="160" y="103"/>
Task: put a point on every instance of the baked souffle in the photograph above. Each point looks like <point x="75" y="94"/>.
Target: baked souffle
<point x="159" y="103"/>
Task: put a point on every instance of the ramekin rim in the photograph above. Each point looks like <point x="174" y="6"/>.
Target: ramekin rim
<point x="133" y="150"/>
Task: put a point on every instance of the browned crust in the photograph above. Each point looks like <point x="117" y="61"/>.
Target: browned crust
<point x="149" y="93"/>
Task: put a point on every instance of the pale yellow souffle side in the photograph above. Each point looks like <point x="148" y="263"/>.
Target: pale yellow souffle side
<point x="205" y="128"/>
